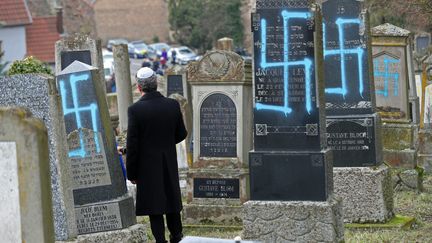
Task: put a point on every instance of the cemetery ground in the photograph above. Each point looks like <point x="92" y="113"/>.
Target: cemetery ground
<point x="407" y="203"/>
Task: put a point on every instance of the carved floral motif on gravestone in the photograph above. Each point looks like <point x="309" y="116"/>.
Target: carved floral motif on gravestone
<point x="217" y="65"/>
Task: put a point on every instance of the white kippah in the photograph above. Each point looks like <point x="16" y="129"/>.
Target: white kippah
<point x="144" y="73"/>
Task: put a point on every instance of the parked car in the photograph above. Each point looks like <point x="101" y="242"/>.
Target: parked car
<point x="158" y="47"/>
<point x="139" y="49"/>
<point x="113" y="42"/>
<point x="108" y="69"/>
<point x="184" y="55"/>
<point x="107" y="56"/>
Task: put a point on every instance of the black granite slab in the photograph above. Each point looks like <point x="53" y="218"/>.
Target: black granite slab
<point x="290" y="176"/>
<point x="68" y="57"/>
<point x="175" y="85"/>
<point x="287" y="113"/>
<point x="346" y="58"/>
<point x="355" y="141"/>
<point x="216" y="188"/>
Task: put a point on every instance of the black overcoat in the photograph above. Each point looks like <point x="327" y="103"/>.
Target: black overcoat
<point x="155" y="126"/>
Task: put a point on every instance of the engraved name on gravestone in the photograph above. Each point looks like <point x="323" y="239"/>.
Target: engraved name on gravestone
<point x="286" y="114"/>
<point x="175" y="85"/>
<point x="347" y="76"/>
<point x="216" y="188"/>
<point x="38" y="93"/>
<point x="218" y="127"/>
<point x="101" y="201"/>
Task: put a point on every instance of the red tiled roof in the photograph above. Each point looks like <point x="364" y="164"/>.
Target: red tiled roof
<point x="41" y="38"/>
<point x="14" y="12"/>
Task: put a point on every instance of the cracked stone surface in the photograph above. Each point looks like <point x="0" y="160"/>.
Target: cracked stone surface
<point x="367" y="193"/>
<point x="276" y="221"/>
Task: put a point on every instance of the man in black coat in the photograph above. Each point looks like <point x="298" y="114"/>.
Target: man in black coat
<point x="155" y="127"/>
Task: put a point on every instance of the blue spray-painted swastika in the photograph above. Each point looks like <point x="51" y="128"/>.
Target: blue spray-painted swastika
<point x="387" y="75"/>
<point x="359" y="51"/>
<point x="77" y="110"/>
<point x="307" y="63"/>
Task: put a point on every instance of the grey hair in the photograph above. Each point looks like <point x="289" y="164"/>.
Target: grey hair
<point x="148" y="84"/>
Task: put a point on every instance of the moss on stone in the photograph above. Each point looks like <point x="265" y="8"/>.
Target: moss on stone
<point x="398" y="221"/>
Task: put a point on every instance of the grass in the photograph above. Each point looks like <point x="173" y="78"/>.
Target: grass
<point x="407" y="203"/>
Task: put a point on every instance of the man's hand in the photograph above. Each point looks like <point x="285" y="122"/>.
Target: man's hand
<point x="133" y="182"/>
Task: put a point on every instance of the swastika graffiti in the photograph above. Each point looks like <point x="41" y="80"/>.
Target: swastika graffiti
<point x="342" y="52"/>
<point x="286" y="64"/>
<point x="387" y="74"/>
<point x="77" y="110"/>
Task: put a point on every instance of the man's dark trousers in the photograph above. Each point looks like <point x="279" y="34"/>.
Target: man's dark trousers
<point x="174" y="226"/>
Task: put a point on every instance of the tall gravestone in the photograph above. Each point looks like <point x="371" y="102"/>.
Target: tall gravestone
<point x="100" y="196"/>
<point x="291" y="181"/>
<point x="393" y="79"/>
<point x="353" y="126"/>
<point x="25" y="190"/>
<point x="425" y="133"/>
<point x="38" y="93"/>
<point x="218" y="176"/>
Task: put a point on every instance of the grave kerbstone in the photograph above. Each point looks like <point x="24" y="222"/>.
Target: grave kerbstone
<point x="291" y="181"/>
<point x="222" y="117"/>
<point x="100" y="196"/>
<point x="353" y="127"/>
<point x="391" y="54"/>
<point x="25" y="190"/>
<point x="38" y="93"/>
<point x="123" y="83"/>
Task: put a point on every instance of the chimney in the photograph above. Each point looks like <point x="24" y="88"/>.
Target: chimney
<point x="59" y="15"/>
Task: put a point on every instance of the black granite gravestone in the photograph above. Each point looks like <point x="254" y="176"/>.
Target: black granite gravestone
<point x="100" y="196"/>
<point x="346" y="59"/>
<point x="216" y="188"/>
<point x="289" y="162"/>
<point x="175" y="85"/>
<point x="218" y="127"/>
<point x="349" y="86"/>
<point x="422" y="44"/>
<point x="68" y="57"/>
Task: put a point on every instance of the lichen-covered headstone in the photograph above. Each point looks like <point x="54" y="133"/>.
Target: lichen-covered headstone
<point x="100" y="196"/>
<point x="25" y="190"/>
<point x="38" y="93"/>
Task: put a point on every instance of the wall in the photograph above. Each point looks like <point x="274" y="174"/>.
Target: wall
<point x="132" y="19"/>
<point x="13" y="43"/>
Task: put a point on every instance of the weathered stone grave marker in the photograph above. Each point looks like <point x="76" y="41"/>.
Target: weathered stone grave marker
<point x="218" y="176"/>
<point x="38" y="93"/>
<point x="290" y="168"/>
<point x="422" y="42"/>
<point x="393" y="78"/>
<point x="425" y="133"/>
<point x="25" y="190"/>
<point x="101" y="200"/>
<point x="353" y="126"/>
<point x="176" y="82"/>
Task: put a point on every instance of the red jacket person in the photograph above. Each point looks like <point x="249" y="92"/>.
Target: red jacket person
<point x="155" y="127"/>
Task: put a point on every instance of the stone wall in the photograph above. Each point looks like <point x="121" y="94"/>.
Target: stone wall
<point x="132" y="19"/>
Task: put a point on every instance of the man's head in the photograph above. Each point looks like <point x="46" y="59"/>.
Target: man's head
<point x="146" y="80"/>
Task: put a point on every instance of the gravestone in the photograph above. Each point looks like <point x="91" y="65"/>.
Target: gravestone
<point x="425" y="133"/>
<point x="184" y="148"/>
<point x="176" y="82"/>
<point x="422" y="42"/>
<point x="123" y="83"/>
<point x="218" y="175"/>
<point x="290" y="167"/>
<point x="25" y="190"/>
<point x="38" y="93"/>
<point x="100" y="196"/>
<point x="79" y="47"/>
<point x="353" y="126"/>
<point x="393" y="78"/>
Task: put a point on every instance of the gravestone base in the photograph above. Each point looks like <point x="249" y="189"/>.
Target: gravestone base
<point x="104" y="216"/>
<point x="296" y="221"/>
<point x="196" y="214"/>
<point x="367" y="193"/>
<point x="135" y="233"/>
<point x="424" y="158"/>
<point x="183" y="182"/>
<point x="406" y="159"/>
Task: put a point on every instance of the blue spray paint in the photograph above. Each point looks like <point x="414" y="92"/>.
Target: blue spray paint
<point x="387" y="75"/>
<point x="77" y="110"/>
<point x="343" y="89"/>
<point x="307" y="63"/>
